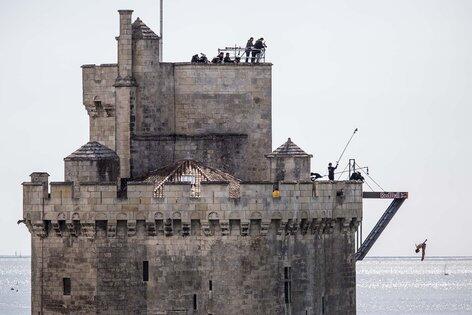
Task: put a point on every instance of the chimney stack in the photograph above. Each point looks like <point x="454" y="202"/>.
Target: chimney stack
<point x="125" y="46"/>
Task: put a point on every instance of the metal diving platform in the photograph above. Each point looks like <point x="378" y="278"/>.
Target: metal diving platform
<point x="366" y="245"/>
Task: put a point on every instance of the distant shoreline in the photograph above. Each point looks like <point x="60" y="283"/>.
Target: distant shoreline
<point x="13" y="256"/>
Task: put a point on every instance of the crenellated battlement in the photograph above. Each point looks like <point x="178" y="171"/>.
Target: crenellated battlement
<point x="302" y="207"/>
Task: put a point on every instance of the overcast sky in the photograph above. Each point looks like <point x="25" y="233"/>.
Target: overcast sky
<point x="398" y="70"/>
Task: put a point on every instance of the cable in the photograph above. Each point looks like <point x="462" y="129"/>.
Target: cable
<point x="368" y="185"/>
<point x="371" y="178"/>
<point x="340" y="173"/>
<point x="342" y="153"/>
<point x="344" y="171"/>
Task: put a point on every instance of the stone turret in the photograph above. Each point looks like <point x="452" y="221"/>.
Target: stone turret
<point x="289" y="163"/>
<point x="92" y="163"/>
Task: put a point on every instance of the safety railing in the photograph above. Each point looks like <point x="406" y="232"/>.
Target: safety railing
<point x="240" y="54"/>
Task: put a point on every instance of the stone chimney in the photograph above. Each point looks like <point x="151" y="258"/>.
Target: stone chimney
<point x="125" y="91"/>
<point x="125" y="56"/>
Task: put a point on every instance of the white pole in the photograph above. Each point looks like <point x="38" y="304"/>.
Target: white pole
<point x="160" y="28"/>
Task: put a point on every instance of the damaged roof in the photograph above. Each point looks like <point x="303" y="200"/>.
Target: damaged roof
<point x="92" y="151"/>
<point x="289" y="148"/>
<point x="193" y="172"/>
<point x="142" y="31"/>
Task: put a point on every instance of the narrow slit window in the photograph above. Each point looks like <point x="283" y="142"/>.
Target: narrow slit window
<point x="66" y="286"/>
<point x="210" y="285"/>
<point x="288" y="284"/>
<point x="194" y="302"/>
<point x="145" y="270"/>
<point x="288" y="287"/>
<point x="322" y="304"/>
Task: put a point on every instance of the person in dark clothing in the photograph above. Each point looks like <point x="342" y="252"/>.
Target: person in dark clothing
<point x="219" y="58"/>
<point x="203" y="58"/>
<point x="421" y="247"/>
<point x="357" y="176"/>
<point x="227" y="59"/>
<point x="249" y="45"/>
<point x="331" y="170"/>
<point x="315" y="176"/>
<point x="258" y="47"/>
<point x="195" y="59"/>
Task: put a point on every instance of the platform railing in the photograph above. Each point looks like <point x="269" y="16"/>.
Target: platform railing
<point x="239" y="54"/>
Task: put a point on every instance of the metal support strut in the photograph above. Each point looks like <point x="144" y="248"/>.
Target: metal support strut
<point x="398" y="199"/>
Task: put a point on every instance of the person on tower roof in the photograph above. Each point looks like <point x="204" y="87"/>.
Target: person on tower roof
<point x="228" y="59"/>
<point x="249" y="45"/>
<point x="331" y="170"/>
<point x="259" y="47"/>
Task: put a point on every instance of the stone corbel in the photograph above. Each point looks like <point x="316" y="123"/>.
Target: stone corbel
<point x="168" y="227"/>
<point x="355" y="224"/>
<point x="72" y="227"/>
<point x="282" y="227"/>
<point x="151" y="228"/>
<point x="345" y="225"/>
<point x="304" y="225"/>
<point x="57" y="228"/>
<point x="91" y="110"/>
<point x="39" y="229"/>
<point x="317" y="226"/>
<point x="29" y="225"/>
<point x="111" y="229"/>
<point x="329" y="226"/>
<point x="185" y="229"/>
<point x="131" y="228"/>
<point x="265" y="225"/>
<point x="109" y="110"/>
<point x="88" y="230"/>
<point x="206" y="228"/>
<point x="244" y="228"/>
<point x="224" y="225"/>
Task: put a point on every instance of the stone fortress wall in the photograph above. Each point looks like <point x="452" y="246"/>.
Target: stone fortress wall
<point x="100" y="241"/>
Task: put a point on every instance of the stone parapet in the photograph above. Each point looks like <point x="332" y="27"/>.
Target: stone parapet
<point x="301" y="207"/>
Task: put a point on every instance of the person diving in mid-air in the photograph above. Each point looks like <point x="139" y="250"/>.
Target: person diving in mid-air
<point x="421" y="246"/>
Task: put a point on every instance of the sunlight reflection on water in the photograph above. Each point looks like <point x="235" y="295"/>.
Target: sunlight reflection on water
<point x="409" y="286"/>
<point x="384" y="286"/>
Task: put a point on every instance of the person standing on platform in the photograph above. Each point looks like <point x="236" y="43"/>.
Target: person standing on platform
<point x="249" y="45"/>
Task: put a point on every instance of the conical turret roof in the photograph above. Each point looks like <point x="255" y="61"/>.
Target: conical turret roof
<point x="142" y="31"/>
<point x="289" y="149"/>
<point x="92" y="151"/>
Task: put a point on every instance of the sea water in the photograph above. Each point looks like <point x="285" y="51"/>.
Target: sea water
<point x="438" y="285"/>
<point x="15" y="285"/>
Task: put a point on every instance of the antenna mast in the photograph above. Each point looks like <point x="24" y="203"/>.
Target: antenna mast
<point x="160" y="28"/>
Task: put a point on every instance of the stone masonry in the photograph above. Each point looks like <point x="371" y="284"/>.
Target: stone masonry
<point x="103" y="241"/>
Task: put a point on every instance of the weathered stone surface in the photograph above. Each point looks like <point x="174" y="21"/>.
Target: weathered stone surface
<point x="127" y="250"/>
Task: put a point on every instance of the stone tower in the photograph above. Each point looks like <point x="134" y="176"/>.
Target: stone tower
<point x="169" y="208"/>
